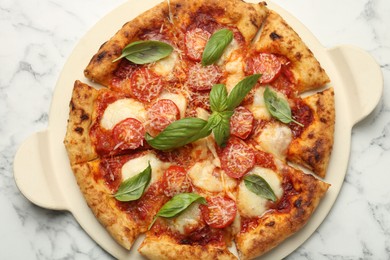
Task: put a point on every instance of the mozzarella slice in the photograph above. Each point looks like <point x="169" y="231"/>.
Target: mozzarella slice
<point x="165" y="67"/>
<point x="258" y="108"/>
<point x="188" y="220"/>
<point x="251" y="205"/>
<point x="122" y="109"/>
<point x="275" y="138"/>
<point x="233" y="45"/>
<point x="178" y="99"/>
<point x="206" y="176"/>
<point x="137" y="165"/>
<point x="235" y="69"/>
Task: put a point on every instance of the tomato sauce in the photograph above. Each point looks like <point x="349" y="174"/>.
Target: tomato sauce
<point x="302" y="113"/>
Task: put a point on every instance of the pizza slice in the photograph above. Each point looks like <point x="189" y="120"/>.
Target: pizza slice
<point x="125" y="192"/>
<point x="311" y="145"/>
<point x="280" y="51"/>
<point x="186" y="26"/>
<point x="105" y="123"/>
<point x="267" y="221"/>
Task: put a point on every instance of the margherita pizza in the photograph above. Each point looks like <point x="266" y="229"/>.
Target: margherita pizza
<point x="199" y="136"/>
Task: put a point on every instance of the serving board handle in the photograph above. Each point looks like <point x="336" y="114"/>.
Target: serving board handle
<point x="363" y="78"/>
<point x="32" y="173"/>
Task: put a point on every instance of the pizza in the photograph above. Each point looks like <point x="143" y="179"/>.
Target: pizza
<point x="213" y="128"/>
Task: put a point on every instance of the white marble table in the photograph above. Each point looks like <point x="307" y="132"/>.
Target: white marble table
<point x="38" y="36"/>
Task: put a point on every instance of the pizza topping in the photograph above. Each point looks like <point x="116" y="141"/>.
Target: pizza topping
<point x="128" y="134"/>
<point x="223" y="105"/>
<point x="241" y="123"/>
<point x="166" y="66"/>
<point x="274" y="138"/>
<point x="303" y="113"/>
<point x="237" y="158"/>
<point x="175" y="181"/>
<point x="161" y="114"/>
<point x="179" y="133"/>
<point x="178" y="98"/>
<point x="203" y="78"/>
<point x="206" y="176"/>
<point x="133" y="188"/>
<point x="249" y="202"/>
<point x="195" y="42"/>
<point x="121" y="109"/>
<point x="145" y="84"/>
<point x="219" y="211"/>
<point x="259" y="186"/>
<point x="138" y="164"/>
<point x="278" y="107"/>
<point x="142" y="52"/>
<point x="267" y="64"/>
<point x="177" y="205"/>
<point x="216" y="46"/>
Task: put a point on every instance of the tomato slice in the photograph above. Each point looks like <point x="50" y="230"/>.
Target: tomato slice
<point x="195" y="42"/>
<point x="175" y="181"/>
<point x="267" y="64"/>
<point x="128" y="134"/>
<point x="237" y="158"/>
<point x="145" y="84"/>
<point x="202" y="78"/>
<point x="161" y="114"/>
<point x="241" y="122"/>
<point x="219" y="211"/>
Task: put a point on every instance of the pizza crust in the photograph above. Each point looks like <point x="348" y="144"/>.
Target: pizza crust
<point x="77" y="141"/>
<point x="274" y="227"/>
<point x="313" y="148"/>
<point x="278" y="37"/>
<point x="164" y="247"/>
<point x="98" y="197"/>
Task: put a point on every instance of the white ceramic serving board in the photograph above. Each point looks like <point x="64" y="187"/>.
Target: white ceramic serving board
<point x="41" y="166"/>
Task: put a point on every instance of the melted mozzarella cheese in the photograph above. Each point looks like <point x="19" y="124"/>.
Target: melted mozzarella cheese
<point x="187" y="220"/>
<point x="122" y="109"/>
<point x="178" y="99"/>
<point x="137" y="165"/>
<point x="233" y="45"/>
<point x="251" y="205"/>
<point x="206" y="176"/>
<point x="275" y="138"/>
<point x="235" y="69"/>
<point x="165" y="67"/>
<point x="258" y="108"/>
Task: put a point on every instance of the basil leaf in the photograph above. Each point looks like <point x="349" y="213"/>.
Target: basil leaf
<point x="239" y="92"/>
<point x="142" y="52"/>
<point x="216" y="45"/>
<point x="133" y="188"/>
<point x="180" y="133"/>
<point x="222" y="130"/>
<point x="218" y="98"/>
<point x="177" y="205"/>
<point x="278" y="107"/>
<point x="259" y="186"/>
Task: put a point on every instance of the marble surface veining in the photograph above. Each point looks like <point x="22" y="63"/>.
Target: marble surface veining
<point x="38" y="36"/>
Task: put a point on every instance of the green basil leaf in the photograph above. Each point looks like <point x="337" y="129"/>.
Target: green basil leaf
<point x="216" y="45"/>
<point x="133" y="188"/>
<point x="218" y="98"/>
<point x="180" y="133"/>
<point x="259" y="186"/>
<point x="239" y="92"/>
<point x="177" y="205"/>
<point x="143" y="52"/>
<point x="278" y="107"/>
<point x="222" y="130"/>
